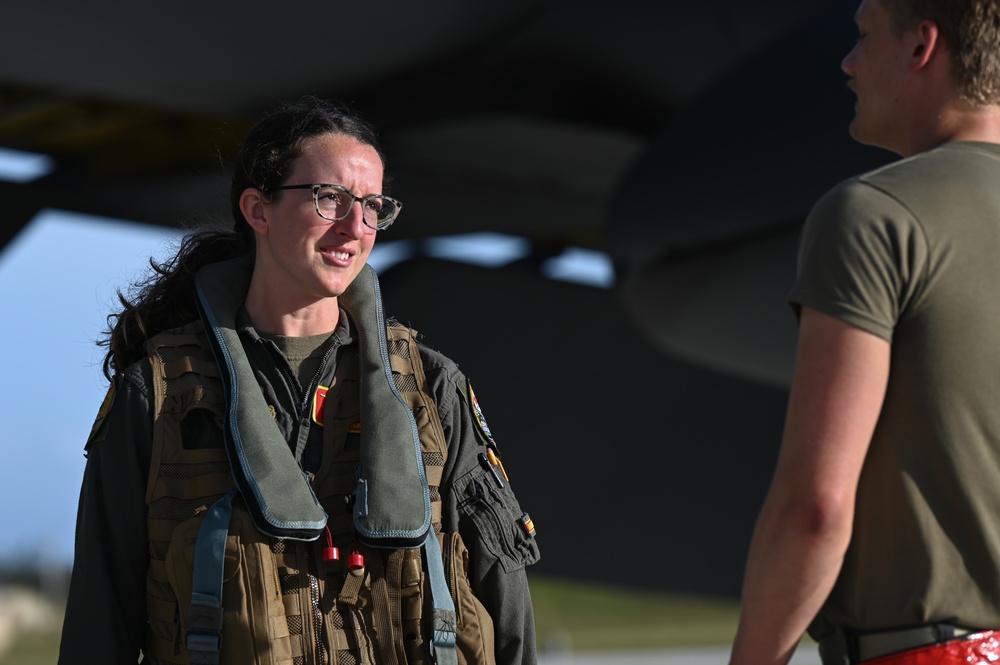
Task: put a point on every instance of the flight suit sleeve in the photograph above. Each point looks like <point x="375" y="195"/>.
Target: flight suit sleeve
<point x="105" y="618"/>
<point x="480" y="503"/>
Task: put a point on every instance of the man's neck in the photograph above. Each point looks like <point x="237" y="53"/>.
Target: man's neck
<point x="959" y="121"/>
<point x="976" y="124"/>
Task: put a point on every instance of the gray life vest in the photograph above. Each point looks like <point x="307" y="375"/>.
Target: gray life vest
<point x="392" y="507"/>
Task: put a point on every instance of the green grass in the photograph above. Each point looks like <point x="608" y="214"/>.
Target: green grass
<point x="585" y="617"/>
<point x="568" y="615"/>
<point x="33" y="649"/>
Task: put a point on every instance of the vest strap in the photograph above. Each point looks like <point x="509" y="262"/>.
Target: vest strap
<point x="443" y="618"/>
<point x="204" y="636"/>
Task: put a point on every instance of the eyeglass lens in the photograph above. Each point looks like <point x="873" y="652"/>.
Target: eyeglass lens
<point x="335" y="203"/>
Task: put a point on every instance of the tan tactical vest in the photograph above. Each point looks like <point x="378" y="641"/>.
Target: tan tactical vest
<point x="283" y="604"/>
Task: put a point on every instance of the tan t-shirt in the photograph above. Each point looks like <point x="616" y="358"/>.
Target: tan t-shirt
<point x="911" y="253"/>
<point x="304" y="354"/>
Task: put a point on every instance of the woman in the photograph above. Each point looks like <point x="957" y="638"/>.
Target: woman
<point x="278" y="474"/>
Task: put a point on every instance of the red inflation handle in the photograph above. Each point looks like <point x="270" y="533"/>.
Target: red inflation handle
<point x="356" y="560"/>
<point x="356" y="563"/>
<point x="330" y="553"/>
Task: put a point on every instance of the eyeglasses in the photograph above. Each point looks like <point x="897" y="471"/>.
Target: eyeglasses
<point x="334" y="202"/>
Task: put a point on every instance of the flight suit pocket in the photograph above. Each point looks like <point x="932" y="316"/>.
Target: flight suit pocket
<point x="498" y="519"/>
<point x="475" y="625"/>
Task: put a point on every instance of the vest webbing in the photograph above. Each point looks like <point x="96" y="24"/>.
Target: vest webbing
<point x="281" y="603"/>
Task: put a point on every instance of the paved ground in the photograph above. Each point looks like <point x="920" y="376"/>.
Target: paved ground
<point x="806" y="655"/>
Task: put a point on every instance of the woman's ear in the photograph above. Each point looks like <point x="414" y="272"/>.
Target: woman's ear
<point x="252" y="206"/>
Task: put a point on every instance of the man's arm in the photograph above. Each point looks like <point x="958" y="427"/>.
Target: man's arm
<point x="805" y="525"/>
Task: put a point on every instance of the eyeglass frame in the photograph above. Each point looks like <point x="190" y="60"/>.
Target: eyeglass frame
<point x="315" y="187"/>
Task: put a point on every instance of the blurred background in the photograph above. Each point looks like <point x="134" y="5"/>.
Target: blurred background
<point x="601" y="206"/>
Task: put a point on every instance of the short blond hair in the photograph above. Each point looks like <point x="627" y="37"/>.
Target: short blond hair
<point x="971" y="28"/>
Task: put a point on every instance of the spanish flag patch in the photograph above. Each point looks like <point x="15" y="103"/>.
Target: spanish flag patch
<point x="319" y="399"/>
<point x="528" y="524"/>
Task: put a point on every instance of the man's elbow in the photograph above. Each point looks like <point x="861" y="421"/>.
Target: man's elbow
<point x="824" y="517"/>
<point x="815" y="518"/>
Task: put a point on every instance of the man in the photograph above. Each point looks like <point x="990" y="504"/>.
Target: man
<point x="881" y="531"/>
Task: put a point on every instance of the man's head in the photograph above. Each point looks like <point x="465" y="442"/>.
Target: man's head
<point x="971" y="29"/>
<point x="908" y="77"/>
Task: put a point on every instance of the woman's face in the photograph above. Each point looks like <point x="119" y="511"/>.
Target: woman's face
<point x="302" y="257"/>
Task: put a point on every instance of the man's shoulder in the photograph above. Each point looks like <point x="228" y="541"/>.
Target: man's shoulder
<point x="933" y="168"/>
<point x="859" y="197"/>
<point x="896" y="185"/>
<point x="927" y="187"/>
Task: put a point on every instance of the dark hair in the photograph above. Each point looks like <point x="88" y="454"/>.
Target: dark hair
<point x="165" y="298"/>
<point x="276" y="141"/>
<point x="971" y="28"/>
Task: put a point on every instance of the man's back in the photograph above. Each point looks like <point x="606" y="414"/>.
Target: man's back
<point x="882" y="516"/>
<point x="909" y="253"/>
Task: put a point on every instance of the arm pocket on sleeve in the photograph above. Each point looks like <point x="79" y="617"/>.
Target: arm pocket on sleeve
<point x="498" y="519"/>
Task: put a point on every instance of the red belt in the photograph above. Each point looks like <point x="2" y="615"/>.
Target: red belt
<point x="974" y="648"/>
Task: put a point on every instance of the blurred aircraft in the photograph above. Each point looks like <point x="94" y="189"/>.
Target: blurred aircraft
<point x="686" y="139"/>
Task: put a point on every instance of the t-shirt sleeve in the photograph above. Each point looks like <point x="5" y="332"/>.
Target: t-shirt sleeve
<point x="861" y="257"/>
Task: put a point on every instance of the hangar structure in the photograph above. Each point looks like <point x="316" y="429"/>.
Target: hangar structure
<point x="683" y="139"/>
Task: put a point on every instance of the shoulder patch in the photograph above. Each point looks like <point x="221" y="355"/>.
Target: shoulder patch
<point x="477" y="415"/>
<point x="102" y="413"/>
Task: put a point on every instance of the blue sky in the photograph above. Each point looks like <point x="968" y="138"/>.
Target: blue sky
<point x="57" y="284"/>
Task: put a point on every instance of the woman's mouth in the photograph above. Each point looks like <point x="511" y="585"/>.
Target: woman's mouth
<point x="337" y="257"/>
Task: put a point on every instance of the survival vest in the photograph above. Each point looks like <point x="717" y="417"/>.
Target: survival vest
<point x="283" y="604"/>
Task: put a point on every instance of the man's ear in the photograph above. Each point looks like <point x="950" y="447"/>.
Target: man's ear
<point x="252" y="206"/>
<point x="926" y="44"/>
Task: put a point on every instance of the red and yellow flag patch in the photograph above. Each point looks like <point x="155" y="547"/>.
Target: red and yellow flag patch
<point x="528" y="524"/>
<point x="319" y="399"/>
